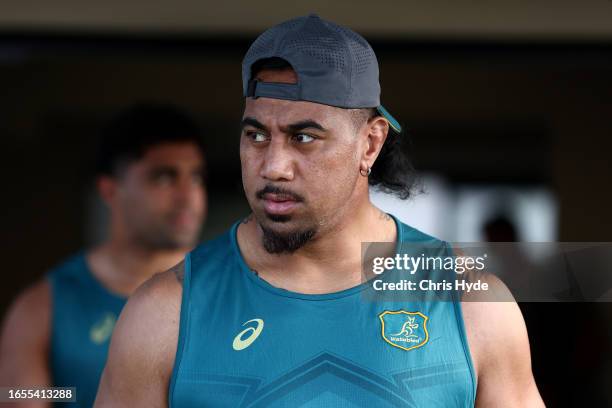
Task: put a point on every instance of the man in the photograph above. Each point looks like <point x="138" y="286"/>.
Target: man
<point x="150" y="175"/>
<point x="272" y="313"/>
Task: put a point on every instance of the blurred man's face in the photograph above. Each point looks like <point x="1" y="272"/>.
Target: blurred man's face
<point x="161" y="199"/>
<point x="300" y="165"/>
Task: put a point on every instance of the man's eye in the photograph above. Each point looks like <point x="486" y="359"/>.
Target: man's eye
<point x="257" y="136"/>
<point x="163" y="178"/>
<point x="304" y="138"/>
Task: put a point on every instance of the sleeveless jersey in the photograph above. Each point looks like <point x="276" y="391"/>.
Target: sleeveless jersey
<point x="83" y="317"/>
<point x="245" y="343"/>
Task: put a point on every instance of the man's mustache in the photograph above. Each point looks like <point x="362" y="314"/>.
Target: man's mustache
<point x="270" y="189"/>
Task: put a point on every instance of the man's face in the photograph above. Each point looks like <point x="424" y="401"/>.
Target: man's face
<point x="300" y="165"/>
<point x="160" y="199"/>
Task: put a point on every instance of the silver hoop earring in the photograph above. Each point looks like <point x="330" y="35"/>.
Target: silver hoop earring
<point x="365" y="173"/>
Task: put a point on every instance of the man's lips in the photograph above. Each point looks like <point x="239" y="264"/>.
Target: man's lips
<point x="275" y="203"/>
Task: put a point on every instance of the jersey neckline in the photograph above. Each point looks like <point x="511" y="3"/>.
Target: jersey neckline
<point x="93" y="279"/>
<point x="297" y="295"/>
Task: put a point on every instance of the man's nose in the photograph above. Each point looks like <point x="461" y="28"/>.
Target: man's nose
<point x="278" y="161"/>
<point x="187" y="189"/>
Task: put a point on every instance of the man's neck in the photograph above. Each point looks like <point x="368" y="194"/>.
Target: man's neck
<point x="121" y="266"/>
<point x="330" y="262"/>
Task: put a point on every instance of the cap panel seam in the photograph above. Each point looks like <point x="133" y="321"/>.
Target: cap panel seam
<point x="351" y="63"/>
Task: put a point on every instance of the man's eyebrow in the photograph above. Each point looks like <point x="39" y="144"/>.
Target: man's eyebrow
<point x="249" y="121"/>
<point x="304" y="124"/>
<point x="163" y="169"/>
<point x="292" y="128"/>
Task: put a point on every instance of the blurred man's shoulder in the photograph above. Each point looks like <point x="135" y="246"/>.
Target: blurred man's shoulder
<point x="29" y="315"/>
<point x="26" y="325"/>
<point x="32" y="302"/>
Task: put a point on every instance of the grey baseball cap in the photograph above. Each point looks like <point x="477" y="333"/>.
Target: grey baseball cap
<point x="334" y="65"/>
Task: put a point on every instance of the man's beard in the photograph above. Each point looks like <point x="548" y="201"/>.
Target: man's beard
<point x="282" y="242"/>
<point x="160" y="236"/>
<point x="289" y="242"/>
<point x="166" y="240"/>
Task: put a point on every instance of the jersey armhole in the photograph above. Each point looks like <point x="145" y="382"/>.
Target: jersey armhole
<point x="466" y="348"/>
<point x="463" y="333"/>
<point x="183" y="327"/>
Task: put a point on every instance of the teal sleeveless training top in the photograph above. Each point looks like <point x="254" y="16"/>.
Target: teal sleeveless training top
<point x="83" y="318"/>
<point x="245" y="343"/>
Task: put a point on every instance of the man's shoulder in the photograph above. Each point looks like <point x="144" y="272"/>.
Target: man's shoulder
<point x="493" y="321"/>
<point x="152" y="311"/>
<point x="144" y="342"/>
<point x="161" y="287"/>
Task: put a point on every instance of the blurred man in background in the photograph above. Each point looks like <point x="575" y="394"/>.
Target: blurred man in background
<point x="150" y="175"/>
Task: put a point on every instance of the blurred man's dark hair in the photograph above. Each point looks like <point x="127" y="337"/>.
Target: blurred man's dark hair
<point x="500" y="229"/>
<point x="128" y="136"/>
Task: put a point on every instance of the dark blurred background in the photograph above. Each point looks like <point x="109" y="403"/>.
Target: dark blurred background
<point x="508" y="105"/>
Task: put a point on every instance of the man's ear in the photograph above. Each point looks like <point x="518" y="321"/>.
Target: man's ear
<point x="107" y="188"/>
<point x="377" y="129"/>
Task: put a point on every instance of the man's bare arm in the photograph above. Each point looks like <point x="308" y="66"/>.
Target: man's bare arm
<point x="500" y="346"/>
<point x="24" y="345"/>
<point x="143" y="346"/>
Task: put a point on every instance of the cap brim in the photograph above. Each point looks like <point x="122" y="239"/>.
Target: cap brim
<point x="393" y="123"/>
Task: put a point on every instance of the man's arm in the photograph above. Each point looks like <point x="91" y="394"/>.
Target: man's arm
<point x="498" y="339"/>
<point x="143" y="346"/>
<point x="24" y="345"/>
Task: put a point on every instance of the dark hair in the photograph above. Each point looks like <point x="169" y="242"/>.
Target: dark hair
<point x="272" y="63"/>
<point x="500" y="229"/>
<point x="127" y="136"/>
<point x="393" y="172"/>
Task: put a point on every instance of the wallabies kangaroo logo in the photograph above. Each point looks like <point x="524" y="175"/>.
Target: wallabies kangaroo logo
<point x="404" y="330"/>
<point x="408" y="328"/>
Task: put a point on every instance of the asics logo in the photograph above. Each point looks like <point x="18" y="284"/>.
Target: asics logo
<point x="246" y="337"/>
<point x="101" y="331"/>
